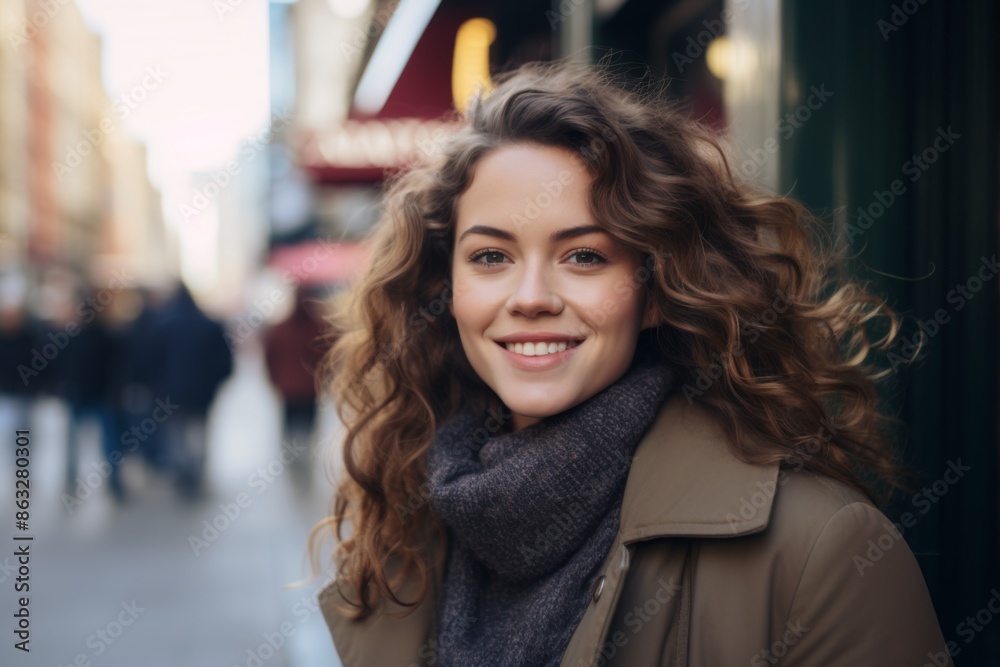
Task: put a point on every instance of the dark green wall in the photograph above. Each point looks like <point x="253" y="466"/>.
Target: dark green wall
<point x="895" y="85"/>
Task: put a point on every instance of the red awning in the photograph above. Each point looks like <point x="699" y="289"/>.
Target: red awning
<point x="361" y="148"/>
<point x="320" y="262"/>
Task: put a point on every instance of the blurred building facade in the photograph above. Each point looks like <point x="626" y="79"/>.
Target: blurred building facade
<point x="14" y="200"/>
<point x="74" y="189"/>
<point x="133" y="233"/>
<point x="68" y="173"/>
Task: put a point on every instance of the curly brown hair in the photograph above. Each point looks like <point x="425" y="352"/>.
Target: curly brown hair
<point x="758" y="313"/>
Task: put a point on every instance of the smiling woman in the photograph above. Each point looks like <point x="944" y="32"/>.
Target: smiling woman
<point x="615" y="447"/>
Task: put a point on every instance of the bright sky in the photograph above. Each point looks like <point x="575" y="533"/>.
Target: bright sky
<point x="193" y="75"/>
<point x="212" y="89"/>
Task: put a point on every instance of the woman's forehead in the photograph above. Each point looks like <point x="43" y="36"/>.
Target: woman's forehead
<point x="521" y="187"/>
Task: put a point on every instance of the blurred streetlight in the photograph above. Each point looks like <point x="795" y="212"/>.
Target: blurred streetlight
<point x="730" y="57"/>
<point x="471" y="66"/>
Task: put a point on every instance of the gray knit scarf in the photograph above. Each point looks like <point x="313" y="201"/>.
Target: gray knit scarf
<point x="531" y="517"/>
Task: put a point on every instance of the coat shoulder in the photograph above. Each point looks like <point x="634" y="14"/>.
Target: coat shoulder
<point x="814" y="518"/>
<point x="829" y="580"/>
<point x="854" y="587"/>
<point x="800" y="506"/>
<point x="804" y="501"/>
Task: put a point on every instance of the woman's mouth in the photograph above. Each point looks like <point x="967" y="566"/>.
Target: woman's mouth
<point x="539" y="348"/>
<point x="540" y="355"/>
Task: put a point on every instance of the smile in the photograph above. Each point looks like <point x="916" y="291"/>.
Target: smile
<point x="533" y="361"/>
<point x="540" y="348"/>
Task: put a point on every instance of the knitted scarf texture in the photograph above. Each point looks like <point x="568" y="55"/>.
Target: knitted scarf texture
<point x="531" y="516"/>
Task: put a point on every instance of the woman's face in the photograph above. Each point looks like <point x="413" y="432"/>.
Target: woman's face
<point x="530" y="265"/>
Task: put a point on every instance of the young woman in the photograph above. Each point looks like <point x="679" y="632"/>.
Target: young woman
<point x="606" y="405"/>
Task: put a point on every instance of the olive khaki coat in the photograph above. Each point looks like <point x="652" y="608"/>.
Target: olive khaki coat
<point x="717" y="563"/>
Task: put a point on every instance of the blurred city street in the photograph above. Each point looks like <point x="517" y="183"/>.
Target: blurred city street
<point x="122" y="585"/>
<point x="192" y="190"/>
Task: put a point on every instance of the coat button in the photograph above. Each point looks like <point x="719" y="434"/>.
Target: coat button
<point x="599" y="588"/>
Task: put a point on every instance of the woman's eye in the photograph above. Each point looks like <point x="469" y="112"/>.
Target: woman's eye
<point x="589" y="257"/>
<point x="492" y="254"/>
<point x="495" y="257"/>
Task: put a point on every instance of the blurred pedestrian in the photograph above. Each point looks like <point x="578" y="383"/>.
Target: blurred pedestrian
<point x="193" y="360"/>
<point x="292" y="351"/>
<point x="17" y="338"/>
<point x="81" y="376"/>
<point x="135" y="376"/>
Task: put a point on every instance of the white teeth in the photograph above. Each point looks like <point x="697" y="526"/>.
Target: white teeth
<point x="539" y="349"/>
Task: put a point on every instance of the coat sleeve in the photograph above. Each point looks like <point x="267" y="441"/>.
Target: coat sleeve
<point x="861" y="600"/>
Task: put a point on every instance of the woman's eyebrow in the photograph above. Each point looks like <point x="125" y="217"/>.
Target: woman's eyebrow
<point x="560" y="235"/>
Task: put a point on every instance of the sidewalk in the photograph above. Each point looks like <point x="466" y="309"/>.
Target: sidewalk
<point x="150" y="583"/>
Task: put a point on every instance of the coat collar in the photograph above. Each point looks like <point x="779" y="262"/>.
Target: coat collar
<point x="685" y="481"/>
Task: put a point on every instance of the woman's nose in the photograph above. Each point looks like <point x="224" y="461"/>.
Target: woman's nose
<point x="533" y="292"/>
